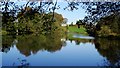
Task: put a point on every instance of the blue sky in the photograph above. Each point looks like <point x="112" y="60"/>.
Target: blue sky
<point x="72" y="16"/>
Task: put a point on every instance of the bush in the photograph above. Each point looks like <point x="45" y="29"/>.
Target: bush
<point x="105" y="31"/>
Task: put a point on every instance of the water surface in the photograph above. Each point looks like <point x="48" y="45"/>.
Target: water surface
<point x="33" y="50"/>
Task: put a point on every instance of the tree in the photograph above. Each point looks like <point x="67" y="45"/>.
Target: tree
<point x="109" y="25"/>
<point x="65" y="21"/>
<point x="103" y="15"/>
<point x="71" y="24"/>
<point x="97" y="10"/>
<point x="31" y="16"/>
<point x="78" y="23"/>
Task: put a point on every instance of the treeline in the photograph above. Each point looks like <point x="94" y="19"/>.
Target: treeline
<point x="108" y="26"/>
<point x="31" y="21"/>
<point x="30" y="17"/>
<point x="50" y="43"/>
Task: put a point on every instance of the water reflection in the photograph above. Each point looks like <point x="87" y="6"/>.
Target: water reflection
<point x="82" y="37"/>
<point x="109" y="49"/>
<point x="21" y="63"/>
<point x="32" y="44"/>
<point x="7" y="43"/>
<point x="28" y="44"/>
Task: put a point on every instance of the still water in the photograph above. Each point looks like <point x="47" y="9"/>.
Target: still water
<point x="39" y="50"/>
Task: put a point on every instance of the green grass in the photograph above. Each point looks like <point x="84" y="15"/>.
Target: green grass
<point x="74" y="29"/>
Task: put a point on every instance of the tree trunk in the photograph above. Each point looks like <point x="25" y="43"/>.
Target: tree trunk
<point x="78" y="26"/>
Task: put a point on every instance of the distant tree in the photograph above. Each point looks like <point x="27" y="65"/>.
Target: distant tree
<point x="71" y="24"/>
<point x="65" y="21"/>
<point x="78" y="23"/>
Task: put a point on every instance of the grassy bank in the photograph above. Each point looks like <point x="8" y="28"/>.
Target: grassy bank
<point x="75" y="29"/>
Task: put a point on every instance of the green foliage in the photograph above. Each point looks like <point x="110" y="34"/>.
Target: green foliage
<point x="79" y="22"/>
<point x="109" y="25"/>
<point x="105" y="31"/>
<point x="34" y="42"/>
<point x="25" y="24"/>
<point x="74" y="29"/>
<point x="34" y="23"/>
<point x="30" y="17"/>
<point x="3" y="32"/>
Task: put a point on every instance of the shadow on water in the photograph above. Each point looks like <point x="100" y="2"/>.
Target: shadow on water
<point x="27" y="44"/>
<point x="110" y="49"/>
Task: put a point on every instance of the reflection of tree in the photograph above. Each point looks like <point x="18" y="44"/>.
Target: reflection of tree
<point x="31" y="43"/>
<point x="78" y="41"/>
<point x="107" y="63"/>
<point x="7" y="42"/>
<point x="109" y="49"/>
<point x="22" y="63"/>
<point x="28" y="44"/>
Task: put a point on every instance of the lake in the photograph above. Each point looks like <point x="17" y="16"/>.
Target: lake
<point x="40" y="50"/>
